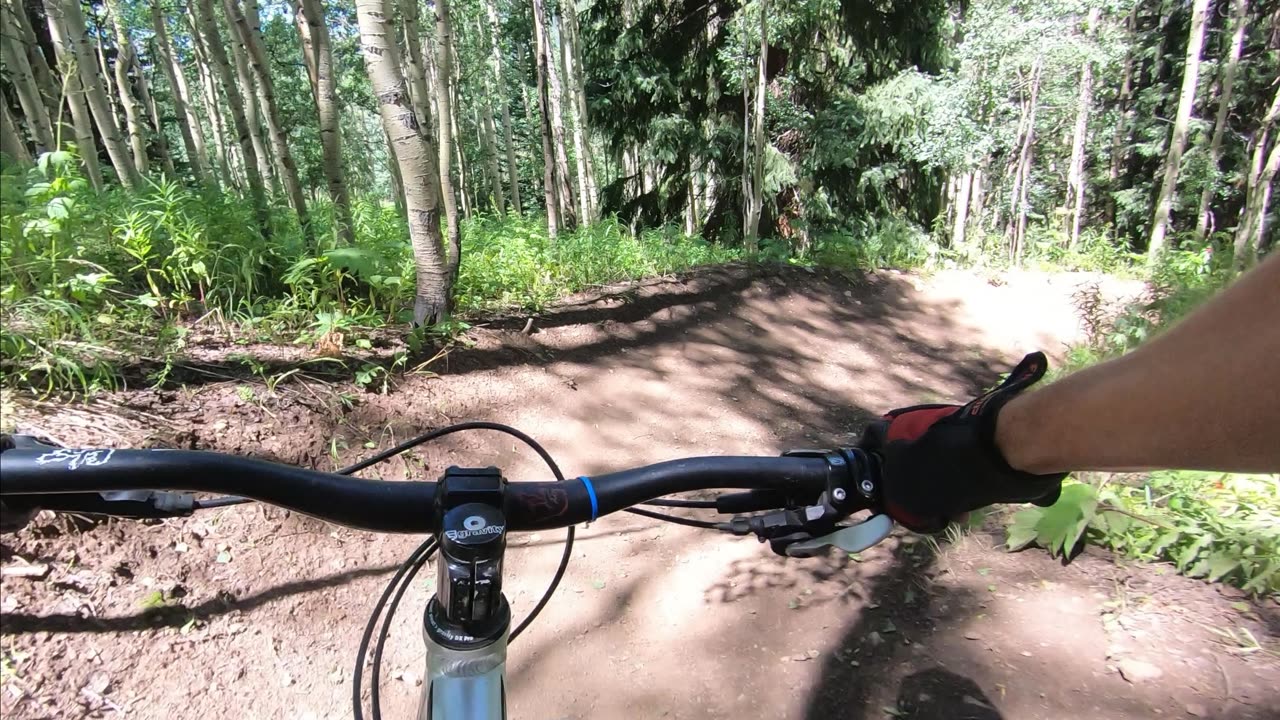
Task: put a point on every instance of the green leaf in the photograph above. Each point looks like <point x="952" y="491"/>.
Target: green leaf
<point x="1169" y="537"/>
<point x="1061" y="525"/>
<point x="59" y="208"/>
<point x="1192" y="551"/>
<point x="356" y="260"/>
<point x="1219" y="564"/>
<point x="1264" y="581"/>
<point x="1022" y="531"/>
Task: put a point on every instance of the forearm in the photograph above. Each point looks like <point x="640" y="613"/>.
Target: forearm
<point x="1203" y="395"/>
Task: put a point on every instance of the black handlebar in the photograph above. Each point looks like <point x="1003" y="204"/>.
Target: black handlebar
<point x="386" y="506"/>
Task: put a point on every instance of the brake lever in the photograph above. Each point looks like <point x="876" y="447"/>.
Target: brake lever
<point x="854" y="538"/>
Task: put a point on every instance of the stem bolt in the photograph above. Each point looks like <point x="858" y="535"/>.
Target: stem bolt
<point x="839" y="494"/>
<point x="868" y="487"/>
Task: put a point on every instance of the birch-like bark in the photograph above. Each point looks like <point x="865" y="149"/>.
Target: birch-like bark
<point x="414" y="63"/>
<point x="576" y="81"/>
<point x="77" y="103"/>
<point x="18" y="68"/>
<point x="1077" y="183"/>
<point x="50" y="87"/>
<point x="66" y="17"/>
<point x="1239" y="21"/>
<point x="257" y="56"/>
<point x="249" y="94"/>
<point x="188" y="123"/>
<point x="550" y="187"/>
<point x="12" y="145"/>
<point x="754" y="187"/>
<point x="488" y="131"/>
<point x="415" y="158"/>
<point x="565" y="190"/>
<point x="513" y="169"/>
<point x="1178" y="134"/>
<point x="1263" y="166"/>
<point x="222" y="66"/>
<point x="324" y="88"/>
<point x="226" y="162"/>
<point x="448" y="130"/>
<point x="156" y="128"/>
<point x="126" y="61"/>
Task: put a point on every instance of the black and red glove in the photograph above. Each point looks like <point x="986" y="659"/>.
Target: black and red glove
<point x="938" y="461"/>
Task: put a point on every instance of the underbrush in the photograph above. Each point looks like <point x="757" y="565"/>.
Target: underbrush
<point x="91" y="282"/>
<point x="511" y="262"/>
<point x="865" y="245"/>
<point x="1218" y="526"/>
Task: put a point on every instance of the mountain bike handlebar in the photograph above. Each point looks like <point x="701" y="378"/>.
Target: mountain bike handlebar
<point x="407" y="507"/>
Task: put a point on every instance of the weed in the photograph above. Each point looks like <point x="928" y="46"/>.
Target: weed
<point x="1214" y="526"/>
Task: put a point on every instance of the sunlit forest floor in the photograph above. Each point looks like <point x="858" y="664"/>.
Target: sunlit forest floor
<point x="253" y="612"/>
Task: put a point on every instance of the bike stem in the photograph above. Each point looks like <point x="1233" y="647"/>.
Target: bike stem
<point x="467" y="621"/>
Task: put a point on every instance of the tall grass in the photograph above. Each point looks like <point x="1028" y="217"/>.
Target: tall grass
<point x="513" y="262"/>
<point x="88" y="281"/>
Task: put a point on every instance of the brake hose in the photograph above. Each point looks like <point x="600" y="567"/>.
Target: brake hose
<point x="404" y="576"/>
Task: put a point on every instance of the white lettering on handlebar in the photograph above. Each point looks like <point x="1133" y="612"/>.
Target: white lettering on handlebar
<point x="75" y="459"/>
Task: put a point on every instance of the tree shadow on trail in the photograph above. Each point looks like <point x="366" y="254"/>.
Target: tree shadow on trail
<point x="177" y="614"/>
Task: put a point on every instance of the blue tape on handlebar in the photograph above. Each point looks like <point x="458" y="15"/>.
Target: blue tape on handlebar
<point x="591" y="493"/>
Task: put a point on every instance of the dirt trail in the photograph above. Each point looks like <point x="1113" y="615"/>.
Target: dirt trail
<point x="261" y="610"/>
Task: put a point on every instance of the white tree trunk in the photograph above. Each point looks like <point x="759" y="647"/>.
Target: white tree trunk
<point x="414" y="155"/>
<point x="324" y="89"/>
<point x="513" y="169"/>
<point x="564" y="190"/>
<point x="1178" y="135"/>
<point x="1077" y="183"/>
<point x="572" y="47"/>
<point x="249" y="94"/>
<point x="18" y="69"/>
<point x="489" y="133"/>
<point x="77" y="104"/>
<point x="225" y="159"/>
<point x="66" y="18"/>
<point x="222" y="66"/>
<point x="11" y="143"/>
<point x="257" y="56"/>
<point x="961" y="205"/>
<point x="415" y="64"/>
<point x="550" y="186"/>
<point x="192" y="137"/>
<point x="753" y="195"/>
<point x="448" y="130"/>
<point x="1240" y="19"/>
<point x="157" y="125"/>
<point x="1265" y="162"/>
<point x="126" y="60"/>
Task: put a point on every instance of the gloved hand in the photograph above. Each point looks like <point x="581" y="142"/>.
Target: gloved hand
<point x="938" y="461"/>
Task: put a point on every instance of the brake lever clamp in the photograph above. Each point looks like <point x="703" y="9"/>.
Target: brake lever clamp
<point x="807" y="531"/>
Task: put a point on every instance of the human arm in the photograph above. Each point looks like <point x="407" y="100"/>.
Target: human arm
<point x="1204" y="394"/>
